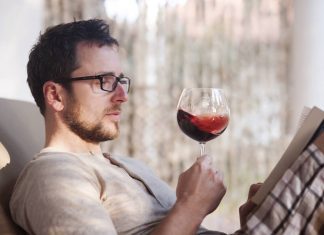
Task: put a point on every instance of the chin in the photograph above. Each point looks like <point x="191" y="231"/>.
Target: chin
<point x="112" y="131"/>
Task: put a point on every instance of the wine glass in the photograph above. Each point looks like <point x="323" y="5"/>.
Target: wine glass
<point x="203" y="114"/>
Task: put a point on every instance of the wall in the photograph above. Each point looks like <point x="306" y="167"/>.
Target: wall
<point x="307" y="69"/>
<point x="20" y="24"/>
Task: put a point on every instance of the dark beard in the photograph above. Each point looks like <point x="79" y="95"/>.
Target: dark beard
<point x="86" y="131"/>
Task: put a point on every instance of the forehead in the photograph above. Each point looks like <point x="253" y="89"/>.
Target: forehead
<point x="93" y="59"/>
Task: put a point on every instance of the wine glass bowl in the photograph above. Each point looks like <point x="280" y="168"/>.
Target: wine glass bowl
<point x="203" y="114"/>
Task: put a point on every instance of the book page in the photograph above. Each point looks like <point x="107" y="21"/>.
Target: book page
<point x="4" y="156"/>
<point x="296" y="146"/>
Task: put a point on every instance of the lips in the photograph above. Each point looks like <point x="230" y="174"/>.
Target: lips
<point x="114" y="115"/>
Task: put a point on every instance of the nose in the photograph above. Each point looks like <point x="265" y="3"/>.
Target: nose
<point x="119" y="94"/>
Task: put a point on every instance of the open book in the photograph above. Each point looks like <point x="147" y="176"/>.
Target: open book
<point x="4" y="156"/>
<point x="309" y="129"/>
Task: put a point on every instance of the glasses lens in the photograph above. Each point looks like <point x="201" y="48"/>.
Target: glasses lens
<point x="108" y="82"/>
<point x="124" y="82"/>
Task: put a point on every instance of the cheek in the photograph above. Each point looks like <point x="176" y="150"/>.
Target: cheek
<point x="93" y="106"/>
<point x="91" y="113"/>
<point x="94" y="111"/>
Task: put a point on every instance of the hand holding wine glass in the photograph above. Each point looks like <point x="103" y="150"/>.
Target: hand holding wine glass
<point x="203" y="114"/>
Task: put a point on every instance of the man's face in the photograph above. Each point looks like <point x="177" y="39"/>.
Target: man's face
<point x="89" y="112"/>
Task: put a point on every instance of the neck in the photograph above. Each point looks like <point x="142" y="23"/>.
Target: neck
<point x="61" y="137"/>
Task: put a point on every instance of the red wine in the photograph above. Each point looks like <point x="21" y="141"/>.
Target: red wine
<point x="202" y="128"/>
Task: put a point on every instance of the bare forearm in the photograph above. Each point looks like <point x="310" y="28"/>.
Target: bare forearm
<point x="181" y="220"/>
<point x="199" y="191"/>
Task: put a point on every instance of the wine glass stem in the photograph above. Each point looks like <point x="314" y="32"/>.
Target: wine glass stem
<point x="202" y="148"/>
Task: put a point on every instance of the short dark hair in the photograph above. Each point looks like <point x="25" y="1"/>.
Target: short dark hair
<point x="54" y="55"/>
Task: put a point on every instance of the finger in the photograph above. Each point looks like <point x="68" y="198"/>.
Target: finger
<point x="220" y="175"/>
<point x="245" y="210"/>
<point x="205" y="159"/>
<point x="253" y="189"/>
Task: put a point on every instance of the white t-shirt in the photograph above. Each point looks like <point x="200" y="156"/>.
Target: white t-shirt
<point x="68" y="193"/>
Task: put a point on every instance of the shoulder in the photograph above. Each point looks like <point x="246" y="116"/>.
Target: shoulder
<point x="52" y="174"/>
<point x="51" y="171"/>
<point x="49" y="164"/>
<point x="62" y="184"/>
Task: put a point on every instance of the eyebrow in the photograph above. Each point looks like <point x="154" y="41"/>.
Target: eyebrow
<point x="111" y="73"/>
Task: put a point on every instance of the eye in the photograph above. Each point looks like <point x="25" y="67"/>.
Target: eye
<point x="123" y="81"/>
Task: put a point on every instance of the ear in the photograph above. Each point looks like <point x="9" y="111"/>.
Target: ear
<point x="53" y="94"/>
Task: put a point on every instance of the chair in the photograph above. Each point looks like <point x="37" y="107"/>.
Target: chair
<point x="22" y="134"/>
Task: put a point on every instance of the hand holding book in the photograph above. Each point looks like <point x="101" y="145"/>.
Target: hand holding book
<point x="310" y="128"/>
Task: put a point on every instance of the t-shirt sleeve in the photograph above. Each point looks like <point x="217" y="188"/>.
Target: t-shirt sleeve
<point x="55" y="196"/>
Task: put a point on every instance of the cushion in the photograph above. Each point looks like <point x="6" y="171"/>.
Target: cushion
<point x="22" y="135"/>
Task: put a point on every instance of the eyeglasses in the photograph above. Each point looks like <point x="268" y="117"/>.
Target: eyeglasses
<point x="108" y="81"/>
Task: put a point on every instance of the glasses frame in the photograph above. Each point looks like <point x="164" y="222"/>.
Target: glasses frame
<point x="99" y="77"/>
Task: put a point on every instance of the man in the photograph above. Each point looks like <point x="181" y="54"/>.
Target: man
<point x="71" y="187"/>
